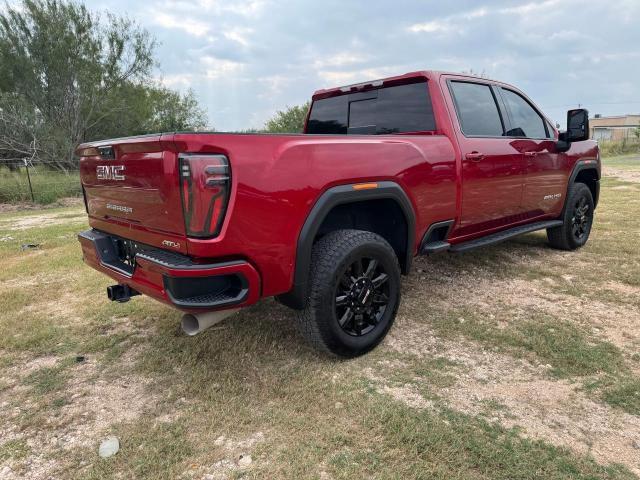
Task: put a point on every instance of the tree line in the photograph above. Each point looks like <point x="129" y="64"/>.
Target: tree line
<point x="69" y="75"/>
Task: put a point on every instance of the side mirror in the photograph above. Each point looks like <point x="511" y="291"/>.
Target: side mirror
<point x="577" y="125"/>
<point x="577" y="129"/>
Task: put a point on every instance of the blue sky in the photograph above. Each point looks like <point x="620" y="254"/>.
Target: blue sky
<point x="247" y="59"/>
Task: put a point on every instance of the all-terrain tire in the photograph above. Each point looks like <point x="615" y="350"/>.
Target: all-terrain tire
<point x="340" y="282"/>
<point x="577" y="219"/>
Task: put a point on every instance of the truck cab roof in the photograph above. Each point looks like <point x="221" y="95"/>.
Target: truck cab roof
<point x="409" y="77"/>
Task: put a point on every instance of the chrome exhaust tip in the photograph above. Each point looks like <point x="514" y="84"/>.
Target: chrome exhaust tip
<point x="195" y="323"/>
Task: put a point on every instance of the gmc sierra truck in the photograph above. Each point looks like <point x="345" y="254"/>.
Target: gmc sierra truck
<point x="328" y="220"/>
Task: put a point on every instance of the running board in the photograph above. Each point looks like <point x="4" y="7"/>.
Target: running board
<point x="502" y="236"/>
<point x="435" y="247"/>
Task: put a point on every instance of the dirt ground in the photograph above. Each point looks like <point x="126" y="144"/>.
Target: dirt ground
<point x="516" y="342"/>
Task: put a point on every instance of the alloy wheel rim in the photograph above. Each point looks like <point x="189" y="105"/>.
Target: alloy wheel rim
<point x="581" y="219"/>
<point x="362" y="296"/>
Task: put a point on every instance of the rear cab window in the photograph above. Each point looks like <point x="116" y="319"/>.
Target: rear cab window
<point x="387" y="110"/>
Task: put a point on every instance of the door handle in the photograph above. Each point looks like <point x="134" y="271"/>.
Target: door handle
<point x="474" y="156"/>
<point x="531" y="154"/>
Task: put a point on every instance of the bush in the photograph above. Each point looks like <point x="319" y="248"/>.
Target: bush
<point x="289" y="120"/>
<point x="622" y="147"/>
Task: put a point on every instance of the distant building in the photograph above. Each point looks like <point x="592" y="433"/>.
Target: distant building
<point x="614" y="128"/>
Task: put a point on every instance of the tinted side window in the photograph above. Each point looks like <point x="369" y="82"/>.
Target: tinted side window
<point x="477" y="109"/>
<point x="525" y="121"/>
<point x="404" y="108"/>
<point x="551" y="130"/>
<point x="329" y="116"/>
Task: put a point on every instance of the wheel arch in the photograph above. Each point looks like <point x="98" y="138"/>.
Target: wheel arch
<point x="331" y="201"/>
<point x="587" y="172"/>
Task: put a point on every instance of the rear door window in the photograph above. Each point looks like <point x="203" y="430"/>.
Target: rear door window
<point x="405" y="108"/>
<point x="525" y="120"/>
<point x="399" y="109"/>
<point x="477" y="109"/>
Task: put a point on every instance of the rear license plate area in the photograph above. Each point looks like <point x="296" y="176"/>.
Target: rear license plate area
<point x="125" y="251"/>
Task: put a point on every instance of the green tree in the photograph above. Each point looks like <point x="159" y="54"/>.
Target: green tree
<point x="64" y="61"/>
<point x="77" y="76"/>
<point x="289" y="120"/>
<point x="171" y="111"/>
<point x="150" y="108"/>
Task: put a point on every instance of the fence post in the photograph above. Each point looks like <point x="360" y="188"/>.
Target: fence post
<point x="26" y="165"/>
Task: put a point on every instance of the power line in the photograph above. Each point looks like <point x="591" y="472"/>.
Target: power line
<point x="596" y="103"/>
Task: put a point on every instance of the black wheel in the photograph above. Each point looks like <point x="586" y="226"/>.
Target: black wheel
<point x="354" y="293"/>
<point x="577" y="218"/>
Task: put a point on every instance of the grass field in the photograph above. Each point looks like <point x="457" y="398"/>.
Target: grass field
<point x="511" y="362"/>
<point x="628" y="146"/>
<point x="48" y="185"/>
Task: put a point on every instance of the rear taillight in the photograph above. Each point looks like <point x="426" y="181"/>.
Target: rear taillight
<point x="205" y="182"/>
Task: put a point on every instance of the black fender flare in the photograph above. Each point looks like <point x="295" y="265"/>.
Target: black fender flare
<point x="580" y="166"/>
<point x="339" y="195"/>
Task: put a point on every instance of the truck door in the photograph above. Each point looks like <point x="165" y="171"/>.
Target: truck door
<point x="545" y="169"/>
<point x="492" y="169"/>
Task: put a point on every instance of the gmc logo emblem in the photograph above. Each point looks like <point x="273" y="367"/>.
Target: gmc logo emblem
<point x="110" y="172"/>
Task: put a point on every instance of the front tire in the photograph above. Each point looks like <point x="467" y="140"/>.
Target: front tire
<point x="354" y="293"/>
<point x="577" y="220"/>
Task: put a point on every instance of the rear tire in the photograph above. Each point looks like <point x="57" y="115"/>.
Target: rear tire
<point x="577" y="219"/>
<point x="354" y="293"/>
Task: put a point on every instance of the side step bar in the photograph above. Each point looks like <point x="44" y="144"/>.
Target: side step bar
<point x="498" y="237"/>
<point x="435" y="247"/>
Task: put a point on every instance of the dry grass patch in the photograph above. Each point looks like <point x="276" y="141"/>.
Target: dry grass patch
<point x="502" y="364"/>
<point x="515" y="393"/>
<point x="624" y="175"/>
<point x="42" y="220"/>
<point x="625" y="168"/>
<point x="65" y="404"/>
<point x="556" y="412"/>
<point x="24" y="207"/>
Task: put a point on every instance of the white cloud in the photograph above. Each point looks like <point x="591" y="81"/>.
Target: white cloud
<point x="340" y="59"/>
<point x="456" y="22"/>
<point x="478" y="13"/>
<point x="531" y="7"/>
<point x="274" y="85"/>
<point x="246" y="8"/>
<point x="180" y="81"/>
<point x="248" y="58"/>
<point x="249" y="9"/>
<point x="459" y="22"/>
<point x="569" y="35"/>
<point x="191" y="26"/>
<point x="433" y="26"/>
<point x="238" y="34"/>
<point x="334" y="78"/>
<point x="215" y="68"/>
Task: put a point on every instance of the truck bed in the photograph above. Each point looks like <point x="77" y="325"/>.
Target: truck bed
<point x="275" y="181"/>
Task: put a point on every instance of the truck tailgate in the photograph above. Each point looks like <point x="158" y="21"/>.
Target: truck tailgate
<point x="134" y="183"/>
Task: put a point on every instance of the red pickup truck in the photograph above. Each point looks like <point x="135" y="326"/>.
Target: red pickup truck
<point x="328" y="220"/>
